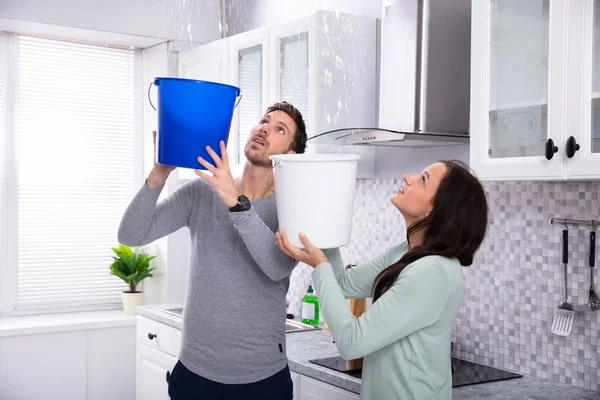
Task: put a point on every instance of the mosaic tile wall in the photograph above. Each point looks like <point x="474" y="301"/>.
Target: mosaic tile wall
<point x="514" y="285"/>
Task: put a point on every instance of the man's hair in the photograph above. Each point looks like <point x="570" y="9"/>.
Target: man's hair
<point x="300" y="137"/>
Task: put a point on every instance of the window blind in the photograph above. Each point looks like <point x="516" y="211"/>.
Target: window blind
<point x="75" y="132"/>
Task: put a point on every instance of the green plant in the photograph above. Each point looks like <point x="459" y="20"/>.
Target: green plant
<point x="131" y="266"/>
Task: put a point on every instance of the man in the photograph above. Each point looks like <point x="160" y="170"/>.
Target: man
<point x="233" y="339"/>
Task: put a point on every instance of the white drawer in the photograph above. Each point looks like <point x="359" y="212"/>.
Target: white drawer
<point x="158" y="336"/>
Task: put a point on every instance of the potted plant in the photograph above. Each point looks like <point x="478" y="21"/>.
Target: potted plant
<point x="132" y="267"/>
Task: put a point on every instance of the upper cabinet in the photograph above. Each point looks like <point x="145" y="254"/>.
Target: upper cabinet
<point x="583" y="89"/>
<point x="209" y="62"/>
<point x="324" y="64"/>
<point x="534" y="81"/>
<point x="249" y="70"/>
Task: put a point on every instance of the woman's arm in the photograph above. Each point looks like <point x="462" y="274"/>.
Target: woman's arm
<point x="415" y="301"/>
<point x="357" y="282"/>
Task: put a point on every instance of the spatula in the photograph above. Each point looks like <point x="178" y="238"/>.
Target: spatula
<point x="564" y="314"/>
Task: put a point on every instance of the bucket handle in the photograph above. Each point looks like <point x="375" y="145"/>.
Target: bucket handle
<point x="150" y="100"/>
<point x="239" y="99"/>
<point x="275" y="164"/>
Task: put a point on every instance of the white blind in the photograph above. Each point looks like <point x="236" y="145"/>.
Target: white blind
<point x="294" y="73"/>
<point x="75" y="133"/>
<point x="251" y="88"/>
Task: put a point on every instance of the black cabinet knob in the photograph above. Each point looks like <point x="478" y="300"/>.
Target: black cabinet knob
<point x="550" y="149"/>
<point x="151" y="336"/>
<point x="168" y="376"/>
<point x="572" y="147"/>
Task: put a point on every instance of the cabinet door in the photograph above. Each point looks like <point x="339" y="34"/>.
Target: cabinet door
<point x="583" y="96"/>
<point x="248" y="70"/>
<point x="46" y="366"/>
<point x="311" y="389"/>
<point x="209" y="62"/>
<point x="296" y="382"/>
<point x="517" y="88"/>
<point x="153" y="369"/>
<point x="292" y="50"/>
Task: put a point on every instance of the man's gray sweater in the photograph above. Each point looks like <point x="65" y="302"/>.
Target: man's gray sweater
<point x="234" y="312"/>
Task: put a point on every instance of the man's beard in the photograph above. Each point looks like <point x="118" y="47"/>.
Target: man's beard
<point x="256" y="159"/>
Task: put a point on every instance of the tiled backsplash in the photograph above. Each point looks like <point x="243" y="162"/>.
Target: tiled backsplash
<point x="514" y="285"/>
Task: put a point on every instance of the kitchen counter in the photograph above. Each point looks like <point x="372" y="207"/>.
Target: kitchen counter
<point x="304" y="346"/>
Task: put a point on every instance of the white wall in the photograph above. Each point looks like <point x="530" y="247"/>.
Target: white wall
<point x="244" y="15"/>
<point x="186" y="20"/>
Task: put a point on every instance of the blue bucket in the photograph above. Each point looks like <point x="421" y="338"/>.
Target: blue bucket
<point x="192" y="114"/>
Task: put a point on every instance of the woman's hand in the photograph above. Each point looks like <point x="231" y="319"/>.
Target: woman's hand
<point x="222" y="180"/>
<point x="312" y="255"/>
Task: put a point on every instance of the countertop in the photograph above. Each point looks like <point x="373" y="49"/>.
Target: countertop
<point x="304" y="346"/>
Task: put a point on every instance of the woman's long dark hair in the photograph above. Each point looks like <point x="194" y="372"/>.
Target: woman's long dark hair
<point x="455" y="227"/>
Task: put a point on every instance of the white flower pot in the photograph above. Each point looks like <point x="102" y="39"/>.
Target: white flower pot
<point x="131" y="301"/>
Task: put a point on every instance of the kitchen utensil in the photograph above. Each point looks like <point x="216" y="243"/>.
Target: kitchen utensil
<point x="564" y="315"/>
<point x="593" y="303"/>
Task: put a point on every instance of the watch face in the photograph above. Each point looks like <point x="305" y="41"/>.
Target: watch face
<point x="244" y="202"/>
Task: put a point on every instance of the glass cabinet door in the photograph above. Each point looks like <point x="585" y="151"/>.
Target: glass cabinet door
<point x="293" y="78"/>
<point x="519" y="61"/>
<point x="595" y="137"/>
<point x="250" y="66"/>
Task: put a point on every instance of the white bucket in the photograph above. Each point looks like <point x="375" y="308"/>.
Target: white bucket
<point x="315" y="195"/>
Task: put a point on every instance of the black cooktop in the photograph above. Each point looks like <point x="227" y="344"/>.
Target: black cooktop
<point x="463" y="372"/>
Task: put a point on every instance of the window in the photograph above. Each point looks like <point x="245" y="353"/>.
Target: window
<point x="75" y="137"/>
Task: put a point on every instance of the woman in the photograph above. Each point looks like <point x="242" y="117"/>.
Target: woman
<point x="416" y="286"/>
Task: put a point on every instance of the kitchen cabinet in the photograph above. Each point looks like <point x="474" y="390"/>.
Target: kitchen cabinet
<point x="153" y="371"/>
<point x="157" y="349"/>
<point x="249" y="70"/>
<point x="535" y="113"/>
<point x="311" y="389"/>
<point x="296" y="382"/>
<point x="56" y="357"/>
<point x="323" y="64"/>
<point x="209" y="62"/>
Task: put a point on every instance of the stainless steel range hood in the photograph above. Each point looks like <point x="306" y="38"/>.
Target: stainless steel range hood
<point x="386" y="137"/>
<point x="424" y="77"/>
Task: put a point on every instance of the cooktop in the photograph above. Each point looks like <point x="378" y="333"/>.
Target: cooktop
<point x="463" y="372"/>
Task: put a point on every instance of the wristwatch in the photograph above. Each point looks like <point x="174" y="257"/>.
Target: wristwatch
<point x="243" y="204"/>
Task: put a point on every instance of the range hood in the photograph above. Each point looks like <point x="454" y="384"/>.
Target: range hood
<point x="387" y="137"/>
<point x="424" y="77"/>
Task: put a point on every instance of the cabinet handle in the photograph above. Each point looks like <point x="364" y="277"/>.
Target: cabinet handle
<point x="550" y="149"/>
<point x="168" y="376"/>
<point x="151" y="336"/>
<point x="572" y="147"/>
